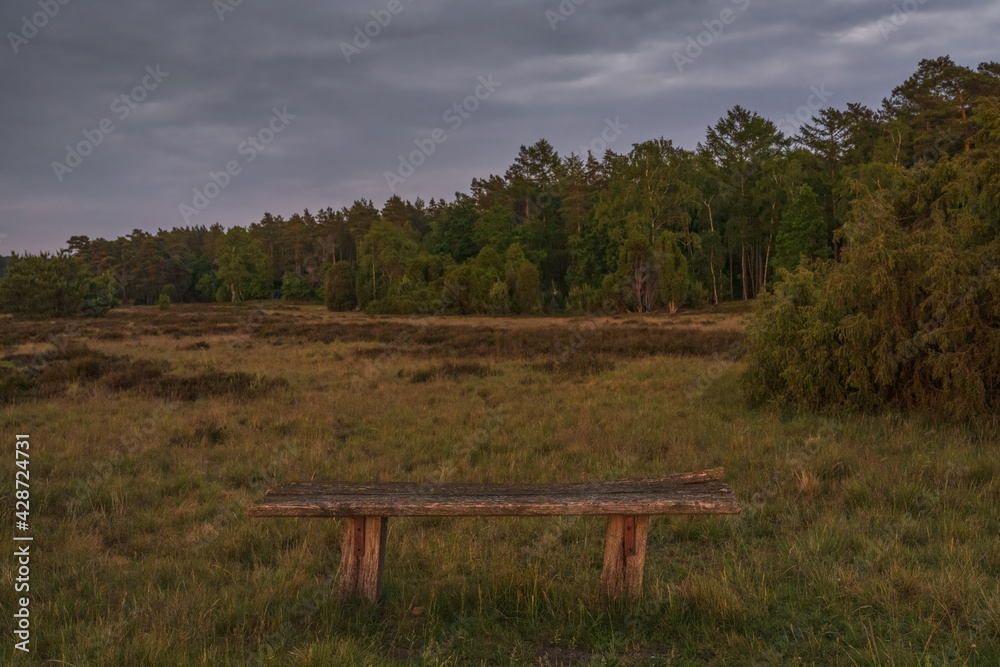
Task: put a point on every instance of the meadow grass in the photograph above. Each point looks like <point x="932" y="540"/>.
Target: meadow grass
<point x="863" y="540"/>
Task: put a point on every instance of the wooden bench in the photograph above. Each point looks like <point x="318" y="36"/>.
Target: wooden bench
<point x="628" y="504"/>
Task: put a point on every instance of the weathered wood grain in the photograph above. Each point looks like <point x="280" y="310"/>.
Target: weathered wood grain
<point x="624" y="556"/>
<point x="612" y="576"/>
<point x="362" y="557"/>
<point x="692" y="493"/>
<point x="635" y="560"/>
<point x="370" y="571"/>
<point x="628" y="504"/>
<point x="351" y="552"/>
<point x="460" y="489"/>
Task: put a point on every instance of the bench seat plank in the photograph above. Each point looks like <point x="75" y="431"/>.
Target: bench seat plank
<point x="704" y="492"/>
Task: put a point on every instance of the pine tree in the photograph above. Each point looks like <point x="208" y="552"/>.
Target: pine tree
<point x="803" y="232"/>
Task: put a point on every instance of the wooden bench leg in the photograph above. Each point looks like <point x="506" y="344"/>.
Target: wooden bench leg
<point x="362" y="556"/>
<point x="624" y="556"/>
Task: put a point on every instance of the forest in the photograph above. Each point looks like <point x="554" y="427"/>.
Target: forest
<point x="658" y="227"/>
<point x="814" y="308"/>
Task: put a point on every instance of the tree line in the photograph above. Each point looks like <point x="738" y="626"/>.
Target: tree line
<point x="656" y="227"/>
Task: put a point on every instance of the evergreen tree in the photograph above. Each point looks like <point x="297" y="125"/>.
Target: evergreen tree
<point x="736" y="147"/>
<point x="802" y="233"/>
<point x="43" y="286"/>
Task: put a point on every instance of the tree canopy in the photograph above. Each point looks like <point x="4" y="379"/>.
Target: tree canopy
<point x="654" y="226"/>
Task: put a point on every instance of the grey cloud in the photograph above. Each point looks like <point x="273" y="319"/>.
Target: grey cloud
<point x="353" y="120"/>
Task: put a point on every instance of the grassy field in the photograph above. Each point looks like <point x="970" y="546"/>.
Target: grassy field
<point x="864" y="540"/>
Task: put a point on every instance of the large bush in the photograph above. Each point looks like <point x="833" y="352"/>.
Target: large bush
<point x="41" y="286"/>
<point x="339" y="287"/>
<point x="910" y="317"/>
<point x="296" y="288"/>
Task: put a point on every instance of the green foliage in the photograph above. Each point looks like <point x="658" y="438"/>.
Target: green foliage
<point x="43" y="286"/>
<point x="458" y="287"/>
<point x="802" y="233"/>
<point x="498" y="300"/>
<point x="489" y="261"/>
<point x="104" y="294"/>
<point x="164" y="301"/>
<point x="296" y="288"/>
<point x="496" y="226"/>
<point x="672" y="273"/>
<point x="907" y="318"/>
<point x="244" y="269"/>
<point x="637" y="268"/>
<point x="387" y="253"/>
<point x="648" y="195"/>
<point x="208" y="285"/>
<point x="746" y="204"/>
<point x="656" y="273"/>
<point x="580" y="300"/>
<point x="513" y="259"/>
<point x="791" y="343"/>
<point x="453" y="234"/>
<point x="339" y="289"/>
<point x="527" y="296"/>
<point x="747" y="178"/>
<point x="698" y="295"/>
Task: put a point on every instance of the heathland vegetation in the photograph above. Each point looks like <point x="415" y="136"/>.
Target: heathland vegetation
<point x="863" y="539"/>
<point x="868" y="242"/>
<point x="874" y="237"/>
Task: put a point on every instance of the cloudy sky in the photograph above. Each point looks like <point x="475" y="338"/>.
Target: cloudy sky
<point x="201" y="78"/>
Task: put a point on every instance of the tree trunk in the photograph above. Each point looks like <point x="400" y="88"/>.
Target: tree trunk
<point x="711" y="254"/>
<point x="743" y="268"/>
<point x="732" y="287"/>
<point x="767" y="259"/>
<point x="711" y="267"/>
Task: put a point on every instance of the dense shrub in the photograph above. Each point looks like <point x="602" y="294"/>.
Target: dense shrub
<point x="296" y="288"/>
<point x="527" y="297"/>
<point x="42" y="286"/>
<point x="910" y="317"/>
<point x="339" y="287"/>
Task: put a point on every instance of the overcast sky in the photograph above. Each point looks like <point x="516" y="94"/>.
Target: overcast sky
<point x="203" y="77"/>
